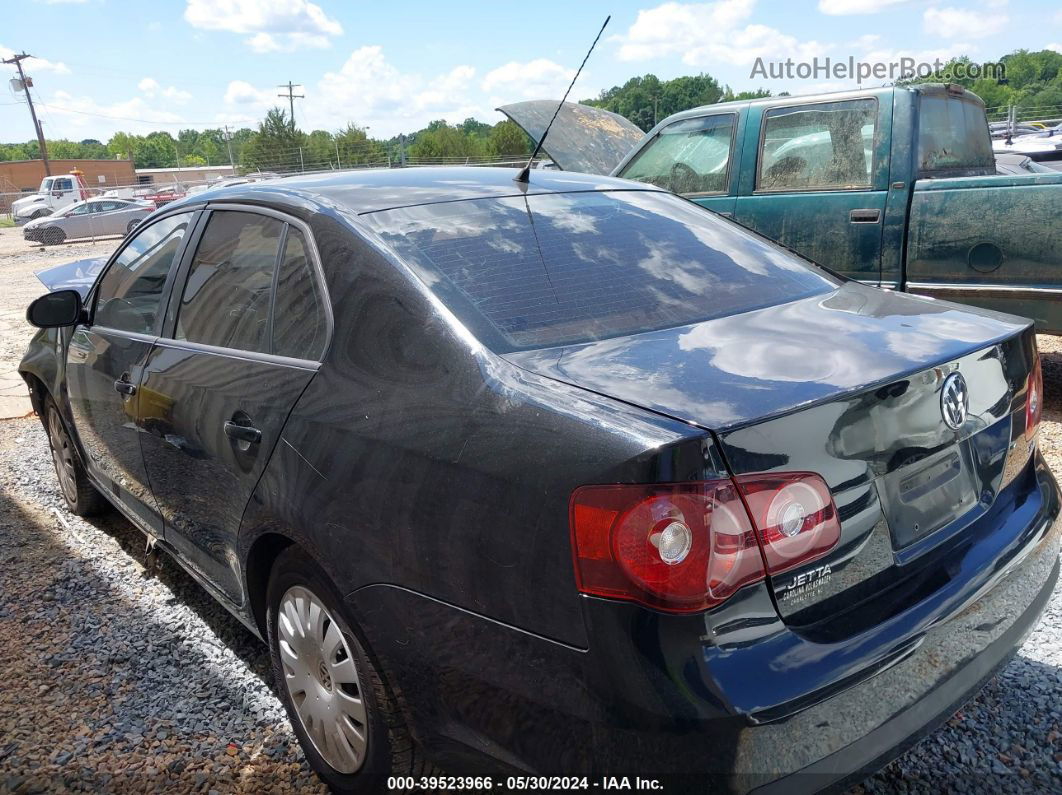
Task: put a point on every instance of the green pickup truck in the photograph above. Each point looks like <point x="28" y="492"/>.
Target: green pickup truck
<point x="896" y="187"/>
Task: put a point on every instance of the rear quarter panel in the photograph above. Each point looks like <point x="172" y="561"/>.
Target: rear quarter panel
<point x="994" y="242"/>
<point x="417" y="460"/>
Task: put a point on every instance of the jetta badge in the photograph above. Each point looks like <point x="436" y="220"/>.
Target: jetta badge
<point x="954" y="401"/>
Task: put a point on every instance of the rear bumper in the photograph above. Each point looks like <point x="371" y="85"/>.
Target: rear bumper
<point x="731" y="699"/>
<point x="906" y="728"/>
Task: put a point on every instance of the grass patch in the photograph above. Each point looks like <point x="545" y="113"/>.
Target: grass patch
<point x="6" y="223"/>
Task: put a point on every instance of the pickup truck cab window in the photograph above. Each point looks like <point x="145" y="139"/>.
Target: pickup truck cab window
<point x="691" y="156"/>
<point x="821" y="146"/>
<point x="130" y="292"/>
<point x="953" y="140"/>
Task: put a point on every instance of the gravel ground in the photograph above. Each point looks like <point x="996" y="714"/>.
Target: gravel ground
<point x="127" y="683"/>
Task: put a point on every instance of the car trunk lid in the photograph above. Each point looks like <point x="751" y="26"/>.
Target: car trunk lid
<point x="848" y="386"/>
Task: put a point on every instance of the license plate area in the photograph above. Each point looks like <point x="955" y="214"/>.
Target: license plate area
<point x="924" y="496"/>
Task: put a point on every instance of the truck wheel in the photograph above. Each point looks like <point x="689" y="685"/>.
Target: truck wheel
<point x="79" y="494"/>
<point x="53" y="236"/>
<point x="345" y="717"/>
<point x="38" y="214"/>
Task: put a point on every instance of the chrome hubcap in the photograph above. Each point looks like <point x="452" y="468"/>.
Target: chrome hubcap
<point x="62" y="456"/>
<point x="322" y="680"/>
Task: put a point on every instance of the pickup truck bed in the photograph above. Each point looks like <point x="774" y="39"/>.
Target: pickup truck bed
<point x="993" y="242"/>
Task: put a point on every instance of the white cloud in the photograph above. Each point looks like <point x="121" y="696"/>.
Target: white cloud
<point x="240" y="92"/>
<point x="846" y="7"/>
<point x="35" y="64"/>
<point x="82" y="115"/>
<point x="151" y="88"/>
<point x="956" y="23"/>
<point x="277" y="25"/>
<point x="704" y="34"/>
<point x="1056" y="47"/>
<point x="371" y="92"/>
<point x="532" y="80"/>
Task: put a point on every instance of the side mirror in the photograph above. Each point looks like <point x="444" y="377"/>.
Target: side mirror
<point x="54" y="310"/>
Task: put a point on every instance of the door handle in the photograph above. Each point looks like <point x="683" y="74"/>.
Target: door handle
<point x="866" y="216"/>
<point x="242" y="433"/>
<point x="124" y="387"/>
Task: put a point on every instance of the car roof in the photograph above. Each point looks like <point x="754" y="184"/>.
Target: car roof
<point x="370" y="190"/>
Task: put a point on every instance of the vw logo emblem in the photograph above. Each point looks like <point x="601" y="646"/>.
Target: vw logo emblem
<point x="954" y="401"/>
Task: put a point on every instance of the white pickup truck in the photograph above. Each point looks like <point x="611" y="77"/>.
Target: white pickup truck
<point x="53" y="194"/>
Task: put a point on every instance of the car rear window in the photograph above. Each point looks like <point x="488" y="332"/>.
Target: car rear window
<point x="544" y="270"/>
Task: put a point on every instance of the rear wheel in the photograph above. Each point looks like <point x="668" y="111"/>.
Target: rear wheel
<point x="132" y="225"/>
<point x="80" y="495"/>
<point x="346" y="719"/>
<point x="53" y="236"/>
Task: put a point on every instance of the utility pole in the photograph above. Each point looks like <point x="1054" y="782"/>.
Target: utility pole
<point x="26" y="83"/>
<point x="228" y="143"/>
<point x="291" y="98"/>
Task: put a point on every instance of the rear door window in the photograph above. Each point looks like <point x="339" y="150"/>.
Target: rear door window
<point x="821" y="146"/>
<point x="299" y="317"/>
<point x="690" y="156"/>
<point x="558" y="269"/>
<point x="229" y="289"/>
<point x="128" y="295"/>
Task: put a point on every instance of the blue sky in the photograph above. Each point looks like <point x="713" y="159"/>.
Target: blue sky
<point x="107" y="65"/>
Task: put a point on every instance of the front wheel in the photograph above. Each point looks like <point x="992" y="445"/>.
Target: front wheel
<point x="346" y="719"/>
<point x="132" y="225"/>
<point x="53" y="236"/>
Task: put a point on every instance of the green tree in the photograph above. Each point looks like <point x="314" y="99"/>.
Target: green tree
<point x="507" y="139"/>
<point x="275" y="146"/>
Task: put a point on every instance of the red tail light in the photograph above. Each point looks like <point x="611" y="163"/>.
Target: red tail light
<point x="1034" y="398"/>
<point x="795" y="515"/>
<point x="687" y="547"/>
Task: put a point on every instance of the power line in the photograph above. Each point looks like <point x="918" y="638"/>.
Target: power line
<point x="212" y="123"/>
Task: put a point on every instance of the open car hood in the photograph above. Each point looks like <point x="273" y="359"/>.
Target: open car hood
<point x="79" y="275"/>
<point x="585" y="139"/>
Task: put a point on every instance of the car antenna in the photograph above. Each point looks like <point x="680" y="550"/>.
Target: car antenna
<point x="525" y="172"/>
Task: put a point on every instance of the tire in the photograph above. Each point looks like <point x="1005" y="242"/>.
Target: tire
<point x="53" y="236"/>
<point x="389" y="750"/>
<point x="132" y="225"/>
<point x="80" y="495"/>
<point x="39" y="214"/>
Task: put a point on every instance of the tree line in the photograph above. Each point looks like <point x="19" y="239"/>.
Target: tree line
<point x="1033" y="83"/>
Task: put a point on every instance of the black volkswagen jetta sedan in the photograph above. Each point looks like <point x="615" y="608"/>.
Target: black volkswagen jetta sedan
<point x="571" y="477"/>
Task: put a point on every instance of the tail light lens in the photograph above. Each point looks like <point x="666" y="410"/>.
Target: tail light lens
<point x="687" y="547"/>
<point x="1034" y="398"/>
<point x="795" y="515"/>
<point x="677" y="547"/>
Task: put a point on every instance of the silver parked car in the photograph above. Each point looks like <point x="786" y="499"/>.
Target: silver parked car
<point x="90" y="218"/>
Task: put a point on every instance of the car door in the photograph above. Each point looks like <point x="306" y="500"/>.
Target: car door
<point x="109" y="218"/>
<point x="62" y="192"/>
<point x="820" y="184"/>
<point x="692" y="157"/>
<point x="105" y="359"/>
<point x="217" y="388"/>
<point x="76" y="220"/>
